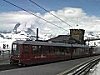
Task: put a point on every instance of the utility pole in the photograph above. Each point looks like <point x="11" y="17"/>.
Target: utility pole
<point x="37" y="34"/>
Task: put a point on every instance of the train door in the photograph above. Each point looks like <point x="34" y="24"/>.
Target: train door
<point x="26" y="53"/>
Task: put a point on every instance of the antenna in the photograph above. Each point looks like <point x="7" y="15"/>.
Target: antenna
<point x="77" y="23"/>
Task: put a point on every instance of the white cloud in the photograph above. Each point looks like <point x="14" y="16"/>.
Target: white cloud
<point x="73" y="16"/>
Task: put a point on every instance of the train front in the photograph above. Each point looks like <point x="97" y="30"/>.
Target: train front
<point x="15" y="53"/>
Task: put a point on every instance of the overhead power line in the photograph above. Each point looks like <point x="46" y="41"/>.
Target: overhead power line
<point x="49" y="12"/>
<point x="34" y="14"/>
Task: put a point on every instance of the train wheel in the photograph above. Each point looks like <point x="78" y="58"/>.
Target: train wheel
<point x="21" y="65"/>
<point x="11" y="63"/>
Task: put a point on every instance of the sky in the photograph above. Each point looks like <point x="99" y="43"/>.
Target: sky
<point x="91" y="7"/>
<point x="85" y="13"/>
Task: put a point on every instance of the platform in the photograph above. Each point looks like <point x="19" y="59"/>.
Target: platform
<point x="47" y="69"/>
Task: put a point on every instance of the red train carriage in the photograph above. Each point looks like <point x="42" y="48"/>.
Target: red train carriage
<point x="35" y="52"/>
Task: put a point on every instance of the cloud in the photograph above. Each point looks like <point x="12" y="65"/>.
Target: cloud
<point x="73" y="16"/>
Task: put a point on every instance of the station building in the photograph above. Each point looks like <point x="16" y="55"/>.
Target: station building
<point x="76" y="36"/>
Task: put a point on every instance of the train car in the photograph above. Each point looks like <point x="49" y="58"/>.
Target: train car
<point x="36" y="52"/>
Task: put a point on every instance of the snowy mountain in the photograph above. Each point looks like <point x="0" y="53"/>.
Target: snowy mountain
<point x="6" y="39"/>
<point x="24" y="33"/>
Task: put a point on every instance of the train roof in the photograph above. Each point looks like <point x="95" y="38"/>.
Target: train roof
<point x="49" y="44"/>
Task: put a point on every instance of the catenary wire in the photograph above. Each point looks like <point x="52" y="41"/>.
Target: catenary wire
<point x="49" y="12"/>
<point x="33" y="14"/>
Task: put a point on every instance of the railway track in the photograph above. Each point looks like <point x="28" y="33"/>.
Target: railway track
<point x="83" y="68"/>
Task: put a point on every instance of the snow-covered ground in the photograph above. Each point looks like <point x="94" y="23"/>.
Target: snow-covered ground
<point x="95" y="70"/>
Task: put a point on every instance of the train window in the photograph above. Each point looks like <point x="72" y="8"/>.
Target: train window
<point x="15" y="50"/>
<point x="67" y="50"/>
<point x="50" y="50"/>
<point x="26" y="49"/>
<point x="14" y="46"/>
<point x="62" y="51"/>
<point x="34" y="48"/>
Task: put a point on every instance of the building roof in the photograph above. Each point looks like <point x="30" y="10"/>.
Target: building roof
<point x="49" y="44"/>
<point x="60" y="38"/>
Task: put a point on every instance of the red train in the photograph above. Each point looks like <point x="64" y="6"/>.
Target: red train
<point x="36" y="52"/>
